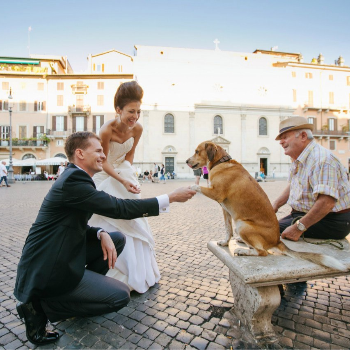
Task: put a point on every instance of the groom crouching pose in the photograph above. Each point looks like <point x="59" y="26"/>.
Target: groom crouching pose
<point x="61" y="271"/>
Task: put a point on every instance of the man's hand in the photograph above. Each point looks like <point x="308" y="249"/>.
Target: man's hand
<point x="108" y="249"/>
<point x="182" y="194"/>
<point x="292" y="233"/>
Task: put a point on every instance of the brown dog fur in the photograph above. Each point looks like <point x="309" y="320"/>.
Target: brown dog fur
<point x="243" y="200"/>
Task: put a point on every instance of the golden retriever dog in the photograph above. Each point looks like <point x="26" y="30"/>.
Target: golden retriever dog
<point x="243" y="200"/>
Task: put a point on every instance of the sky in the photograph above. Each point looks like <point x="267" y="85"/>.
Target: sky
<point x="77" y="28"/>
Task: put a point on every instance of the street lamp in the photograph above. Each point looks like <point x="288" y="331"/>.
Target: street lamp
<point x="10" y="177"/>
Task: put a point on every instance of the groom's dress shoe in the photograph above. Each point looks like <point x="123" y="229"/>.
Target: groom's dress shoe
<point x="35" y="325"/>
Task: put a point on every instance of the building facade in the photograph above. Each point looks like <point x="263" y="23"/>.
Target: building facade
<point x="234" y="99"/>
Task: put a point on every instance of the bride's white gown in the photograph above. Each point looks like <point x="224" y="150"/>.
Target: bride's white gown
<point x="136" y="266"/>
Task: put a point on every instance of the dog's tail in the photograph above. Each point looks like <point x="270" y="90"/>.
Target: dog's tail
<point x="319" y="259"/>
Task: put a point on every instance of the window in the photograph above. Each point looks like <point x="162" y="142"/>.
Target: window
<point x="22" y="131"/>
<point x="310" y="98"/>
<point x="59" y="123"/>
<point x="60" y="86"/>
<point x="308" y="75"/>
<point x="311" y="120"/>
<point x="348" y="80"/>
<point x="40" y="86"/>
<point x="100" y="100"/>
<point x="39" y="106"/>
<point x="120" y="68"/>
<point x="100" y="67"/>
<point x="6" y="85"/>
<point x="98" y="121"/>
<point x="22" y="106"/>
<point x="330" y="77"/>
<point x="4" y="105"/>
<point x="28" y="156"/>
<point x="169" y="123"/>
<point x="332" y="145"/>
<point x="218" y="129"/>
<point x="294" y="95"/>
<point x="262" y="126"/>
<point x="331" y="97"/>
<point x="79" y="126"/>
<point x="4" y="132"/>
<point x="38" y="131"/>
<point x="60" y="143"/>
<point x="331" y="124"/>
<point x="59" y="100"/>
<point x="100" y="85"/>
<point x="294" y="74"/>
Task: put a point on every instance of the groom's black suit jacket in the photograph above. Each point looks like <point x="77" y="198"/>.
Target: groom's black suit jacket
<point x="54" y="255"/>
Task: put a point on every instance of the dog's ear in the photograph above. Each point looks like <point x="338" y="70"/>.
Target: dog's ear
<point x="211" y="149"/>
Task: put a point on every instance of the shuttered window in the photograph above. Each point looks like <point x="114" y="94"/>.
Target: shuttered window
<point x="59" y="100"/>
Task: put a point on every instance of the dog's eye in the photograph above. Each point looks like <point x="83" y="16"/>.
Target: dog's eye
<point x="197" y="152"/>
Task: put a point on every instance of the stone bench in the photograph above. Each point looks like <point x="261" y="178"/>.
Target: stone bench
<point x="254" y="280"/>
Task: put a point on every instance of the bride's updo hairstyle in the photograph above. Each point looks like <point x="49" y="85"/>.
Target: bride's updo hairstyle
<point x="126" y="93"/>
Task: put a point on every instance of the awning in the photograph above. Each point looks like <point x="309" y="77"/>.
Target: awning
<point x="51" y="161"/>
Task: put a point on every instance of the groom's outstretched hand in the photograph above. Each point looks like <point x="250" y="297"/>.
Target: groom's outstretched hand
<point x="182" y="194"/>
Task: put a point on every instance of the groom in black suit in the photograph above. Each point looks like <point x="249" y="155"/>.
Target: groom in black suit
<point x="63" y="263"/>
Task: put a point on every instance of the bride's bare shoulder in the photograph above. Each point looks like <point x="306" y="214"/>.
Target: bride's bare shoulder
<point x="107" y="129"/>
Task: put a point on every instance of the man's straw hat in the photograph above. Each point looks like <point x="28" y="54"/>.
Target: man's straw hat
<point x="293" y="123"/>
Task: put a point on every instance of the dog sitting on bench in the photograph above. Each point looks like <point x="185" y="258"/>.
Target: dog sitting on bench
<point x="243" y="200"/>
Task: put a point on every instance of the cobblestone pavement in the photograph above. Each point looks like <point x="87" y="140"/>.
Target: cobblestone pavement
<point x="188" y="308"/>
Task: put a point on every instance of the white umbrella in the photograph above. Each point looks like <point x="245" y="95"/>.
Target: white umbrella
<point x="15" y="162"/>
<point x="51" y="161"/>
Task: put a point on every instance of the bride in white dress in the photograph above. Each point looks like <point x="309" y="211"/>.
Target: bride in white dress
<point x="136" y="266"/>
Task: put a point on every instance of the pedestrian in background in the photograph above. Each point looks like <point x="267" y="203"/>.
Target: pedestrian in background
<point x="3" y="173"/>
<point x="197" y="173"/>
<point x="206" y="174"/>
<point x="162" y="173"/>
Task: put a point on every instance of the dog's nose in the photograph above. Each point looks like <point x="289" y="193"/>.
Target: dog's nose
<point x="187" y="160"/>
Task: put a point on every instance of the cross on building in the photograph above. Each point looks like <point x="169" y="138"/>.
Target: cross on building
<point x="216" y="42"/>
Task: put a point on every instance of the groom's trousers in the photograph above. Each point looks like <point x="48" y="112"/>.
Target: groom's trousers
<point x="95" y="294"/>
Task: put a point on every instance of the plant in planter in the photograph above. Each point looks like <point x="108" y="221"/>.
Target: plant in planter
<point x="45" y="139"/>
<point x="324" y="127"/>
<point x="345" y="128"/>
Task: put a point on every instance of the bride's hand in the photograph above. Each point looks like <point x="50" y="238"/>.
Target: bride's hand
<point x="131" y="187"/>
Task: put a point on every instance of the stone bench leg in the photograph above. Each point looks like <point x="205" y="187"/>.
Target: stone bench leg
<point x="254" y="307"/>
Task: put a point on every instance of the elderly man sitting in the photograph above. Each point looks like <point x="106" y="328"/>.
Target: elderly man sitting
<point x="319" y="190"/>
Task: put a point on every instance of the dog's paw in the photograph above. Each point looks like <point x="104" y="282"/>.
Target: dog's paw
<point x="242" y="252"/>
<point x="195" y="188"/>
<point x="223" y="243"/>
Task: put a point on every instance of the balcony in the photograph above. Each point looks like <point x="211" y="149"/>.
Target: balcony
<point x="58" y="134"/>
<point x="86" y="109"/>
<point x="24" y="144"/>
<point x="79" y="89"/>
<point x="331" y="133"/>
<point x="63" y="134"/>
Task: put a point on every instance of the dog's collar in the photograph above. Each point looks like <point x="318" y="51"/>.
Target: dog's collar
<point x="221" y="160"/>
